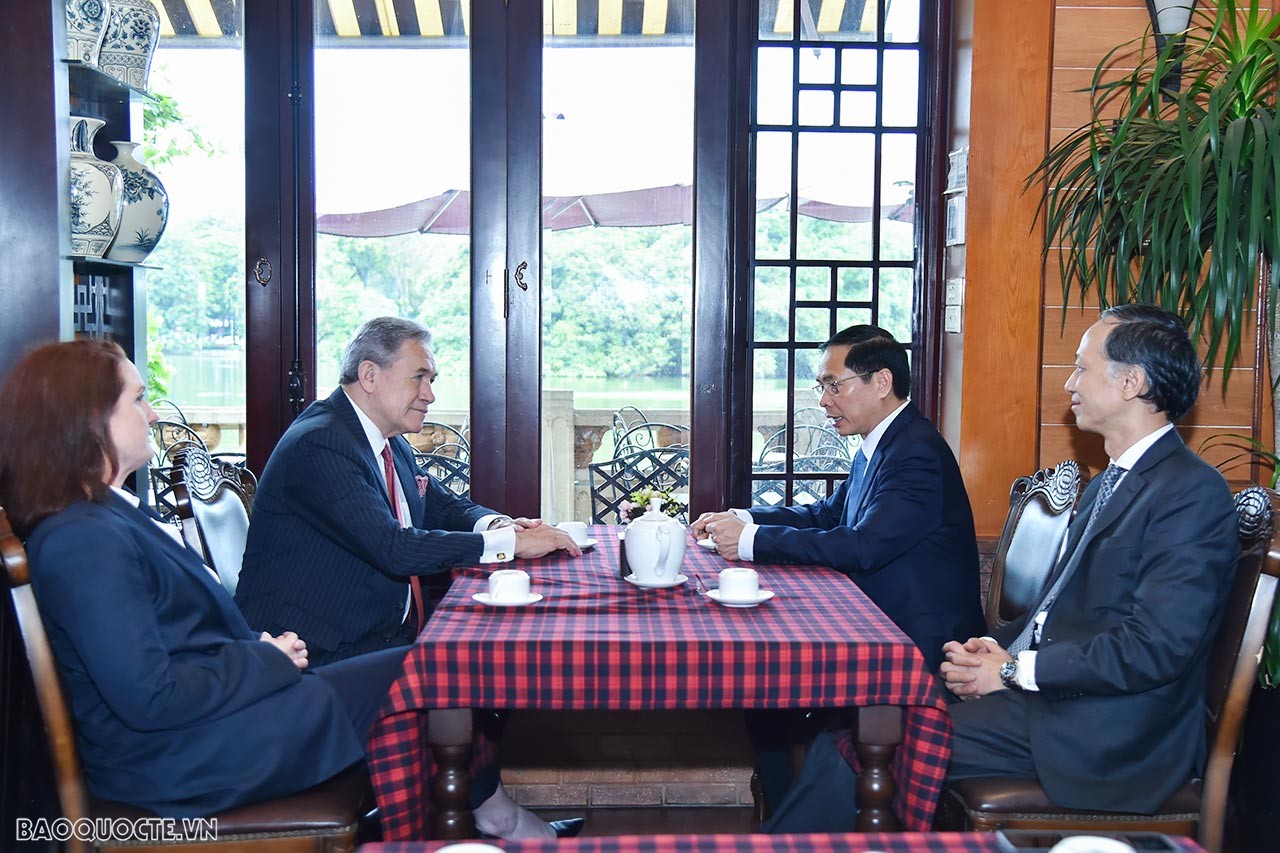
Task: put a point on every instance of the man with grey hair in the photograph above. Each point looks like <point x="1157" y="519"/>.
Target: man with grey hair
<point x="344" y="523"/>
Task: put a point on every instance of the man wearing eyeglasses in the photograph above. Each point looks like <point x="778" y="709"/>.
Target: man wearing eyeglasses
<point x="900" y="526"/>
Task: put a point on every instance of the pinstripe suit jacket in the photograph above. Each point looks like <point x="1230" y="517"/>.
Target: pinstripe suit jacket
<point x="325" y="556"/>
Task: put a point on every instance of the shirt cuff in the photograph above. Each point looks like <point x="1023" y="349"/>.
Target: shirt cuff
<point x="747" y="543"/>
<point x="1027" y="671"/>
<point x="483" y="524"/>
<point x="499" y="545"/>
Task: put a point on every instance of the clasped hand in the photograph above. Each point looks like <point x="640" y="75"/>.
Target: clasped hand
<point x="291" y="644"/>
<point x="972" y="668"/>
<point x="724" y="528"/>
<point x="535" y="539"/>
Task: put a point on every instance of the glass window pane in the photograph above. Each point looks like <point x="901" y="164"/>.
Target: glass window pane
<point x="773" y="95"/>
<point x="858" y="109"/>
<point x="858" y="67"/>
<point x="897" y="197"/>
<point x="850" y="20"/>
<point x="817" y="108"/>
<point x="777" y="19"/>
<point x="193" y="140"/>
<point x="391" y="194"/>
<point x="813" y="325"/>
<point x="903" y="66"/>
<point x="773" y="181"/>
<point x="902" y="22"/>
<point x="827" y="173"/>
<point x="617" y="271"/>
<point x="854" y="285"/>
<point x="896" y="287"/>
<point x="772" y="304"/>
<point x="846" y="317"/>
<point x="813" y="283"/>
<point x="817" y="65"/>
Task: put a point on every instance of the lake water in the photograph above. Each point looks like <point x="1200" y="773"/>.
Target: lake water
<point x="217" y="378"/>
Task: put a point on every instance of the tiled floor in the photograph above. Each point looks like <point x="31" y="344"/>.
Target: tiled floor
<point x="658" y="821"/>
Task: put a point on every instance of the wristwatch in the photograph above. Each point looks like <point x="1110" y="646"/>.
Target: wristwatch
<point x="1009" y="674"/>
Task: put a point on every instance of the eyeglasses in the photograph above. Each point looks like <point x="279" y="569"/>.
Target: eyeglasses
<point x="832" y="387"/>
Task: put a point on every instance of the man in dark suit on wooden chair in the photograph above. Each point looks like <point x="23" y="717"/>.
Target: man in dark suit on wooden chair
<point x="900" y="526"/>
<point x="1098" y="693"/>
<point x="332" y="553"/>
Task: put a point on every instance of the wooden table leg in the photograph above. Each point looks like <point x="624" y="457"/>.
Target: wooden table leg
<point x="879" y="733"/>
<point x="449" y="733"/>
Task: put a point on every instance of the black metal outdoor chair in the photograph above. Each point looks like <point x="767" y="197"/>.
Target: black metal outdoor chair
<point x="612" y="481"/>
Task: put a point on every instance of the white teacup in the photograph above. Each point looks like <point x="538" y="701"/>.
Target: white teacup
<point x="509" y="586"/>
<point x="577" y="531"/>
<point x="739" y="584"/>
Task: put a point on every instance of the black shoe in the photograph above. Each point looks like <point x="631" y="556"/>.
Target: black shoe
<point x="569" y="828"/>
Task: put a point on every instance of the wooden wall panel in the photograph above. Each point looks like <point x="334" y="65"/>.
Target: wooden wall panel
<point x="1008" y="132"/>
<point x="1083" y="35"/>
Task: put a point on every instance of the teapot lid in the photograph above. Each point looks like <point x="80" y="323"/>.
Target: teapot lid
<point x="654" y="514"/>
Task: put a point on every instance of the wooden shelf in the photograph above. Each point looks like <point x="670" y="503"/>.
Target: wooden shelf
<point x="105" y="266"/>
<point x="90" y="84"/>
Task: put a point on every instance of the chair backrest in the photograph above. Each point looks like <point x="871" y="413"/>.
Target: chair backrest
<point x="624" y="419"/>
<point x="68" y="775"/>
<point x="1233" y="660"/>
<point x="808" y="440"/>
<point x="612" y="481"/>
<point x="1039" y="511"/>
<point x="169" y="410"/>
<point x="446" y="440"/>
<point x="451" y="470"/>
<point x="171" y="438"/>
<point x="651" y="435"/>
<point x="218" y="497"/>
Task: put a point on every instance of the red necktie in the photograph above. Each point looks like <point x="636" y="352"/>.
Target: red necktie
<point x="389" y="470"/>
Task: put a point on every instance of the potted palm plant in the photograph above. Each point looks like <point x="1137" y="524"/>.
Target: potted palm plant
<point x="1169" y="195"/>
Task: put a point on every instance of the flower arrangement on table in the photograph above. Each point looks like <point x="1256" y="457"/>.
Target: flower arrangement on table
<point x="637" y="504"/>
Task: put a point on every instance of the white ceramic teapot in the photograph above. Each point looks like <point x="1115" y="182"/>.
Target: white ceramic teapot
<point x="655" y="545"/>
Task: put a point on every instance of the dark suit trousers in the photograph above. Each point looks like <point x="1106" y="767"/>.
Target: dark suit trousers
<point x="991" y="736"/>
<point x="362" y="684"/>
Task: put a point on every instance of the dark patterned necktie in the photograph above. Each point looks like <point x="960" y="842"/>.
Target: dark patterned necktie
<point x="1106" y="487"/>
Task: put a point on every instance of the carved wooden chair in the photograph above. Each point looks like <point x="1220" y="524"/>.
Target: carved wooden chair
<point x="612" y="481"/>
<point x="1040" y="508"/>
<point x="1199" y="808"/>
<point x="323" y="819"/>
<point x="214" y="500"/>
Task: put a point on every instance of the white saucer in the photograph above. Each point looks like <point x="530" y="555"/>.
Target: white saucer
<point x="658" y="584"/>
<point x="483" y="598"/>
<point x="588" y="545"/>
<point x="707" y="543"/>
<point x="762" y="596"/>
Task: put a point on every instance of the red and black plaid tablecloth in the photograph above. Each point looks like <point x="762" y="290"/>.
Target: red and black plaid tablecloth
<point x="905" y="842"/>
<point x="596" y="642"/>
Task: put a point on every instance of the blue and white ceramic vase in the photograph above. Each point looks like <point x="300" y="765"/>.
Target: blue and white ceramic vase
<point x="86" y="25"/>
<point x="146" y="208"/>
<point x="95" y="197"/>
<point x="133" y="28"/>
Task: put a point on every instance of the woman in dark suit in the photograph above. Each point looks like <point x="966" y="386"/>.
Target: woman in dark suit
<point x="180" y="707"/>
